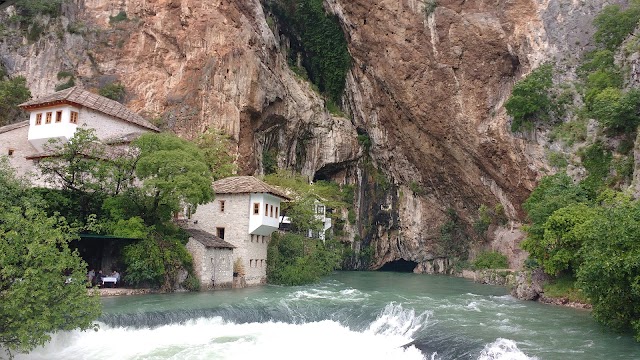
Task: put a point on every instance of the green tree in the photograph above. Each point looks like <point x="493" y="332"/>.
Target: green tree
<point x="610" y="271"/>
<point x="616" y="110"/>
<point x="530" y="98"/>
<point x="613" y="24"/>
<point x="42" y="281"/>
<point x="174" y="173"/>
<point x="12" y="93"/>
<point x="114" y="91"/>
<point x="552" y="193"/>
<point x="293" y="259"/>
<point x="562" y="241"/>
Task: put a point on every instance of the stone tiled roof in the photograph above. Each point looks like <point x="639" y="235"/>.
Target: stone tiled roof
<point x="8" y="128"/>
<point x="77" y="96"/>
<point x="245" y="185"/>
<point x="208" y="239"/>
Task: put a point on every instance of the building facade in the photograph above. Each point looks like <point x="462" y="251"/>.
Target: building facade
<point x="212" y="259"/>
<point x="57" y="116"/>
<point x="244" y="213"/>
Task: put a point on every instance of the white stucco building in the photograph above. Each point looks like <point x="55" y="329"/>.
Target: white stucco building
<point x="57" y="116"/>
<point x="244" y="213"/>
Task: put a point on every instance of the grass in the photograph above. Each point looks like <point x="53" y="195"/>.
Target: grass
<point x="564" y="287"/>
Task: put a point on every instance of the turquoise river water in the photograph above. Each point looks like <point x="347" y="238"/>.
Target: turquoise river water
<point x="349" y="315"/>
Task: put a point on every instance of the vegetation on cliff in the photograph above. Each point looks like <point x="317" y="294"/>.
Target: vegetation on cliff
<point x="584" y="233"/>
<point x="318" y="45"/>
<point x="42" y="281"/>
<point x="13" y="91"/>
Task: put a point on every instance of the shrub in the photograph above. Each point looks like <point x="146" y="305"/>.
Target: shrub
<point x="121" y="16"/>
<point x="12" y="92"/>
<point x="191" y="283"/>
<point x="617" y="110"/>
<point x="597" y="160"/>
<point x="114" y="91"/>
<point x="430" y="6"/>
<point x="613" y="25"/>
<point x="491" y="260"/>
<point x="529" y="101"/>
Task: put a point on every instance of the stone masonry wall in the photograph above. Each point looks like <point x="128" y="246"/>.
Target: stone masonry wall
<point x="213" y="267"/>
<point x="235" y="221"/>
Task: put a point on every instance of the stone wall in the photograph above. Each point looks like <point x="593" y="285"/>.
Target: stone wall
<point x="213" y="267"/>
<point x="235" y="220"/>
<point x="16" y="140"/>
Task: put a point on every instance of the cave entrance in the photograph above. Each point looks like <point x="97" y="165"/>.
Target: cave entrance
<point x="401" y="265"/>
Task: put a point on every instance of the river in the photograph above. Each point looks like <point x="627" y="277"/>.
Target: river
<point x="349" y="315"/>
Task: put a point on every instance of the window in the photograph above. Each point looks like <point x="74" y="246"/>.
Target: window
<point x="276" y="212"/>
<point x="58" y="116"/>
<point x="220" y="232"/>
<point x="271" y="214"/>
<point x="48" y="118"/>
<point x="221" y="205"/>
<point x="10" y="152"/>
<point x="39" y="119"/>
<point x="320" y="209"/>
<point x="266" y="209"/>
<point x="74" y="117"/>
<point x="251" y="263"/>
<point x="256" y="208"/>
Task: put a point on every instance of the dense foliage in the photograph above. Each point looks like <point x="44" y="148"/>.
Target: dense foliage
<point x="614" y="24"/>
<point x="530" y="100"/>
<point x="133" y="194"/>
<point x="490" y="260"/>
<point x="593" y="238"/>
<point x="42" y="281"/>
<point x="13" y="91"/>
<point x="114" y="91"/>
<point x="293" y="259"/>
<point x="319" y="40"/>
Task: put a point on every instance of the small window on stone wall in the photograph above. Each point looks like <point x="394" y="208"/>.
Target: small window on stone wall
<point x="10" y="152"/>
<point x="221" y="205"/>
<point x="220" y="232"/>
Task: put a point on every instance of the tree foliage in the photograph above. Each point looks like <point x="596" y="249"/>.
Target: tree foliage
<point x="114" y="91"/>
<point x="616" y="110"/>
<point x="42" y="281"/>
<point x="174" y="173"/>
<point x="293" y="259"/>
<point x="610" y="272"/>
<point x="318" y="38"/>
<point x="614" y="24"/>
<point x="530" y="100"/>
<point x="490" y="260"/>
<point x="12" y="93"/>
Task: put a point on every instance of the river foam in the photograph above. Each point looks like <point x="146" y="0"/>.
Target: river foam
<point x="215" y="338"/>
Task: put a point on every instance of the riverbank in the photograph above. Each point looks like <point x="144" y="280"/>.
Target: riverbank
<point x="108" y="292"/>
<point x="522" y="284"/>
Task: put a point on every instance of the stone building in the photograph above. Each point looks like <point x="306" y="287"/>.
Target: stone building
<point x="57" y="116"/>
<point x="245" y="213"/>
<point x="212" y="259"/>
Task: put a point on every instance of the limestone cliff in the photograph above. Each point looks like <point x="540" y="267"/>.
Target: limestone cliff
<point x="427" y="87"/>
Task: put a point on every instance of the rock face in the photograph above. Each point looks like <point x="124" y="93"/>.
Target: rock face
<point x="427" y="87"/>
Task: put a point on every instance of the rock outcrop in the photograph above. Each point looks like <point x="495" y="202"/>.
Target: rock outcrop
<point x="427" y="87"/>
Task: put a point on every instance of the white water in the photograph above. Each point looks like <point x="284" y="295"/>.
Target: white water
<point x="214" y="338"/>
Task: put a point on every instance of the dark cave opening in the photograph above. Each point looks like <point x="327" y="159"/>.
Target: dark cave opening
<point x="400" y="265"/>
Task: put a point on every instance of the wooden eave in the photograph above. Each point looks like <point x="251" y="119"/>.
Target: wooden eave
<point x="50" y="104"/>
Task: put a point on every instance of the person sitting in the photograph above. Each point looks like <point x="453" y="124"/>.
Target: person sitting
<point x="116" y="275"/>
<point x="98" y="278"/>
